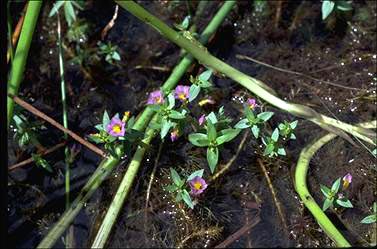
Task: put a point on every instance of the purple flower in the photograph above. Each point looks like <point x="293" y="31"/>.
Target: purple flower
<point x="155" y="97"/>
<point x="197" y="185"/>
<point x="340" y="196"/>
<point x="182" y="92"/>
<point x="347" y="179"/>
<point x="116" y="127"/>
<point x="202" y="119"/>
<point x="174" y="135"/>
<point x="251" y="103"/>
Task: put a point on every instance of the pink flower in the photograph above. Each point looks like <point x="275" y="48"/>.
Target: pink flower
<point x="174" y="135"/>
<point x="252" y="103"/>
<point x="182" y="92"/>
<point x="116" y="127"/>
<point x="197" y="185"/>
<point x="155" y="97"/>
<point x="347" y="179"/>
<point x="202" y="119"/>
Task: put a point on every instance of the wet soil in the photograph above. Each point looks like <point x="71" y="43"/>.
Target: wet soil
<point x="341" y="50"/>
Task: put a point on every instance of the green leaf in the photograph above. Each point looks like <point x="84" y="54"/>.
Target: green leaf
<point x="205" y="75"/>
<point x="105" y="120"/>
<point x="265" y="115"/>
<point x="56" y="7"/>
<point x="187" y="199"/>
<point x="166" y="125"/>
<point x="171" y="188"/>
<point x="212" y="117"/>
<point x="199" y="139"/>
<point x="255" y="130"/>
<point x="281" y="151"/>
<point x="116" y="56"/>
<point x="242" y="124"/>
<point x="249" y="113"/>
<point x="211" y="131"/>
<point x="375" y="207"/>
<point x="195" y="174"/>
<point x="335" y="186"/>
<point x="178" y="197"/>
<point x="194" y="91"/>
<point x="369" y="219"/>
<point x="176" y="178"/>
<point x="293" y="125"/>
<point x="171" y="101"/>
<point x="185" y="23"/>
<point x="176" y="115"/>
<point x="293" y="136"/>
<point x="228" y="135"/>
<point x="326" y="204"/>
<point x="99" y="127"/>
<point x="344" y="5"/>
<point x="326" y="191"/>
<point x="269" y="149"/>
<point x="327" y="8"/>
<point x="69" y="13"/>
<point x="95" y="138"/>
<point x="40" y="162"/>
<point x="344" y="203"/>
<point x="275" y="135"/>
<point x="212" y="158"/>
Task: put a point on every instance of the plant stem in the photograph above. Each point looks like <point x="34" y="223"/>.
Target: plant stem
<point x="143" y="120"/>
<point x="23" y="46"/>
<point x="9" y="25"/>
<point x="301" y="187"/>
<point x="128" y="178"/>
<point x="254" y="85"/>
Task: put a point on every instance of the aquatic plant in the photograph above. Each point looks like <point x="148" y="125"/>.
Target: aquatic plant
<point x="194" y="180"/>
<point x="332" y="195"/>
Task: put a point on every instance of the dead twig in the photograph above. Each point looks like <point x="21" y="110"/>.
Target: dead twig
<point x="276" y="201"/>
<point x="43" y="153"/>
<point x="235" y="236"/>
<point x="278" y="13"/>
<point x="244" y="57"/>
<point x="110" y="24"/>
<point x="230" y="162"/>
<point x="163" y="69"/>
<point x="43" y="116"/>
<point x="17" y="30"/>
<point x="150" y="186"/>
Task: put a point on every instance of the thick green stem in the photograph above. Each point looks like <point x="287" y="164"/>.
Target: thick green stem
<point x="254" y="85"/>
<point x="133" y="167"/>
<point x="9" y="25"/>
<point x="20" y="57"/>
<point x="109" y="163"/>
<point x="122" y="192"/>
<point x="301" y="187"/>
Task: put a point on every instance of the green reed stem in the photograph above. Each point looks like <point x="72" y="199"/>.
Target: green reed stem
<point x="252" y="84"/>
<point x="9" y="25"/>
<point x="132" y="169"/>
<point x="302" y="189"/>
<point x="106" y="166"/>
<point x="20" y="57"/>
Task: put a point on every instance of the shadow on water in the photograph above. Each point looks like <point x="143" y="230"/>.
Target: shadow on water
<point x="342" y="50"/>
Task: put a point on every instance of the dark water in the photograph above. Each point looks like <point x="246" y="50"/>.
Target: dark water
<point x="342" y="51"/>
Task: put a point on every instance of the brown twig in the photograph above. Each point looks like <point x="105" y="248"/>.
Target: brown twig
<point x="230" y="162"/>
<point x="278" y="13"/>
<point x="43" y="116"/>
<point x="110" y="24"/>
<point x="17" y="30"/>
<point x="239" y="233"/>
<point x="244" y="57"/>
<point x="276" y="201"/>
<point x="43" y="153"/>
<point x="158" y="68"/>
